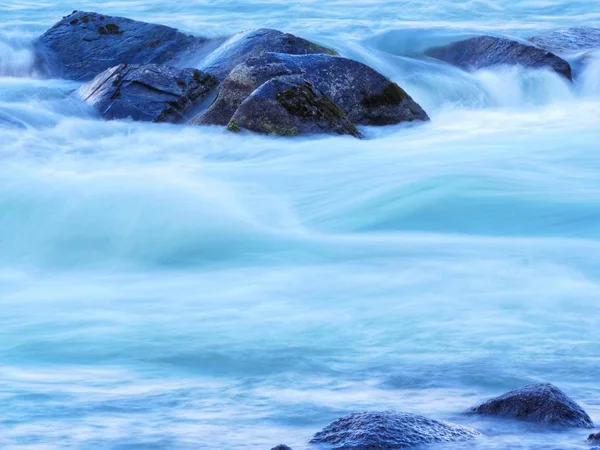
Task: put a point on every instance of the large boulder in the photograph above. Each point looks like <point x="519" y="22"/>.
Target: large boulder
<point x="148" y="92"/>
<point x="569" y="40"/>
<point x="84" y="44"/>
<point x="541" y="403"/>
<point x="291" y="106"/>
<point x="251" y="44"/>
<point x="489" y="51"/>
<point x="388" y="430"/>
<point x="365" y="96"/>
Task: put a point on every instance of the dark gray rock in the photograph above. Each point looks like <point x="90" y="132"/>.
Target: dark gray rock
<point x="281" y="447"/>
<point x="569" y="40"/>
<point x="541" y="403"/>
<point x="488" y="51"/>
<point x="291" y="106"/>
<point x="388" y="430"/>
<point x="594" y="439"/>
<point x="149" y="92"/>
<point x="84" y="44"/>
<point x="365" y="96"/>
<point x="251" y="44"/>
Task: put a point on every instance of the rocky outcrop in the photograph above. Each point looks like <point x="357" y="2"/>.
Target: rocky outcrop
<point x="540" y="403"/>
<point x="388" y="430"/>
<point x="569" y="40"/>
<point x="136" y="71"/>
<point x="364" y="96"/>
<point x="281" y="447"/>
<point x="291" y="106"/>
<point x="488" y="51"/>
<point x="148" y="92"/>
<point x="252" y="44"/>
<point x="84" y="44"/>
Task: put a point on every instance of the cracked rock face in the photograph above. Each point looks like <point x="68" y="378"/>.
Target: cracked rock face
<point x="388" y="430"/>
<point x="541" y="403"/>
<point x="148" y="92"/>
<point x="365" y="96"/>
<point x="488" y="51"/>
<point x="85" y="44"/>
<point x="291" y="106"/>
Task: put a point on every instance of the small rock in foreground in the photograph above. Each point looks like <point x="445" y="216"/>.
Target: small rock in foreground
<point x="594" y="438"/>
<point x="540" y="403"/>
<point x="389" y="430"/>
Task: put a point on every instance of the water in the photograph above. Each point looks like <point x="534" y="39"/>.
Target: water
<point x="166" y="287"/>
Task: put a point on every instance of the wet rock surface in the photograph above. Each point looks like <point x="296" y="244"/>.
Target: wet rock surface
<point x="540" y="403"/>
<point x="149" y="92"/>
<point x="291" y="106"/>
<point x="365" y="96"/>
<point x="84" y="44"/>
<point x="252" y="44"/>
<point x="488" y="51"/>
<point x="388" y="430"/>
<point x="136" y="76"/>
<point x="569" y="40"/>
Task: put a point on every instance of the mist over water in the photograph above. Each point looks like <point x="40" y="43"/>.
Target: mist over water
<point x="184" y="287"/>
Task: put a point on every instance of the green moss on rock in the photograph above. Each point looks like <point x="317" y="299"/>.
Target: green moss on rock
<point x="392" y="95"/>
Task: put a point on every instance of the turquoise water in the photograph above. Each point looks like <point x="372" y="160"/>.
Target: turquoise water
<point x="167" y="287"/>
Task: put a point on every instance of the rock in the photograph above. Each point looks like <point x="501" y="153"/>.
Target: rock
<point x="281" y="447"/>
<point x="594" y="438"/>
<point x="388" y="430"/>
<point x="541" y="403"/>
<point x="244" y="46"/>
<point x="291" y="106"/>
<point x="569" y="40"/>
<point x="365" y="96"/>
<point x="84" y="44"/>
<point x="488" y="51"/>
<point x="148" y="92"/>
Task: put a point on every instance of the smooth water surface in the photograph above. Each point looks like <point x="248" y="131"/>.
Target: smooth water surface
<point x="174" y="287"/>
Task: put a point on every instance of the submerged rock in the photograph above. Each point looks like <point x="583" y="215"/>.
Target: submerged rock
<point x="594" y="438"/>
<point x="281" y="447"/>
<point x="365" y="96"/>
<point x="488" y="51"/>
<point x="569" y="40"/>
<point x="291" y="106"/>
<point x="251" y="44"/>
<point x="149" y="92"/>
<point x="541" y="403"/>
<point x="84" y="44"/>
<point x="388" y="430"/>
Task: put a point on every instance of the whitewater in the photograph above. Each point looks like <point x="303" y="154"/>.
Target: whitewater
<point x="183" y="287"/>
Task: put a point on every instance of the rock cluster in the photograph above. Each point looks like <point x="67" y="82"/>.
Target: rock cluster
<point x="263" y="80"/>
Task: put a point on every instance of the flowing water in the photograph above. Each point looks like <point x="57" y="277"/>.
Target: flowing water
<point x="174" y="287"/>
